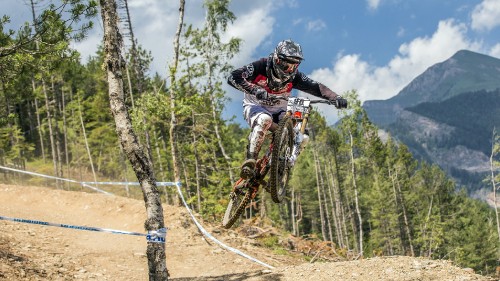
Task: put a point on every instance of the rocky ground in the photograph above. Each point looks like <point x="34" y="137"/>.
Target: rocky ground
<point x="34" y="252"/>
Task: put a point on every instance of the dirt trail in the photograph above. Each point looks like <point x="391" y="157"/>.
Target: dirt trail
<point x="33" y="252"/>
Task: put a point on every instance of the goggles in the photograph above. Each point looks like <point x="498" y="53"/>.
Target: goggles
<point x="286" y="64"/>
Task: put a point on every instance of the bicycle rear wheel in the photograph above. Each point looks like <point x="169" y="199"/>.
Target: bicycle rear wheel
<point x="282" y="150"/>
<point x="238" y="200"/>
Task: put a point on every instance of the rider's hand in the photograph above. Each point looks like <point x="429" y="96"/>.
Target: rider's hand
<point x="340" y="102"/>
<point x="260" y="93"/>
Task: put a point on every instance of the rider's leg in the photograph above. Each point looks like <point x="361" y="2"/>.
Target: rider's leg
<point x="260" y="123"/>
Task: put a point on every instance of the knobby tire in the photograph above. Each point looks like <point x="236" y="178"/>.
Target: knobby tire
<point x="236" y="206"/>
<point x="282" y="149"/>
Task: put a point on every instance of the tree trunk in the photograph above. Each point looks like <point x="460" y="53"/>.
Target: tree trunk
<point x="318" y="186"/>
<point x="424" y="231"/>
<point x="299" y="214"/>
<point x="263" y="207"/>
<point x="356" y="197"/>
<point x="65" y="132"/>
<point x="219" y="140"/>
<point x="196" y="163"/>
<point x="51" y="131"/>
<point x="325" y="201"/>
<point x="173" y="117"/>
<point x="292" y="217"/>
<point x="168" y="198"/>
<point x="400" y="200"/>
<point x="129" y="140"/>
<point x="344" y="238"/>
<point x="38" y="122"/>
<point x="57" y="135"/>
<point x="158" y="154"/>
<point x="331" y="187"/>
<point x="86" y="140"/>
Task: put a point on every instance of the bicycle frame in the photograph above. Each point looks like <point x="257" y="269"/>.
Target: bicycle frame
<point x="284" y="145"/>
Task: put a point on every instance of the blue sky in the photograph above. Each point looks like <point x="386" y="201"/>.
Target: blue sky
<point x="374" y="46"/>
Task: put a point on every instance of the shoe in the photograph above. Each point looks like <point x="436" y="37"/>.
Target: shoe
<point x="247" y="169"/>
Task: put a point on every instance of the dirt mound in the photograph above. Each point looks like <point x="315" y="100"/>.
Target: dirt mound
<point x="35" y="252"/>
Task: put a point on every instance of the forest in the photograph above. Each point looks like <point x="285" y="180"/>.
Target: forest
<point x="365" y="194"/>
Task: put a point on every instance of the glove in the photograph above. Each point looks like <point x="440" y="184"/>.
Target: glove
<point x="340" y="102"/>
<point x="259" y="93"/>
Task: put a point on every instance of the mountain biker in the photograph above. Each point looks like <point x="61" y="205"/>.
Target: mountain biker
<point x="275" y="75"/>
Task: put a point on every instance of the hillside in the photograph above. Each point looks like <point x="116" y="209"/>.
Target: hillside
<point x="464" y="72"/>
<point x="33" y="252"/>
<point x="447" y="114"/>
<point x="455" y="133"/>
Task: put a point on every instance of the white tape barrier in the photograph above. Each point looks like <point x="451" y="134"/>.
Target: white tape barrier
<point x="155" y="236"/>
<point x="56" y="178"/>
<point x="87" y="183"/>
<point x="215" y="239"/>
<point x="158" y="237"/>
<point x="158" y="183"/>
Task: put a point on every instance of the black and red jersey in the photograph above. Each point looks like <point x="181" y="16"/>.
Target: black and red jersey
<point x="254" y="74"/>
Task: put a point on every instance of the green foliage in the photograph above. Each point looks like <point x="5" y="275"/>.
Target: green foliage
<point x="472" y="240"/>
<point x="271" y="241"/>
<point x="13" y="147"/>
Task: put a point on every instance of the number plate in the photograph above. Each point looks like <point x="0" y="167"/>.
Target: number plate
<point x="298" y="106"/>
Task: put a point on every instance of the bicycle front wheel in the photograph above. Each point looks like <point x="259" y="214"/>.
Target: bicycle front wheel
<point x="238" y="200"/>
<point x="282" y="150"/>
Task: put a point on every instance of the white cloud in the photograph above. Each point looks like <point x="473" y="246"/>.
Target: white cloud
<point x="253" y="28"/>
<point x="155" y="23"/>
<point x="149" y="21"/>
<point x="316" y="25"/>
<point x="382" y="82"/>
<point x="486" y="15"/>
<point x="373" y="4"/>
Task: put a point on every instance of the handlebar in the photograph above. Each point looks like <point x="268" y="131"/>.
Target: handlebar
<point x="329" y="102"/>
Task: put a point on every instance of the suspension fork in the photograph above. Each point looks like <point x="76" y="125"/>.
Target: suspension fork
<point x="304" y="123"/>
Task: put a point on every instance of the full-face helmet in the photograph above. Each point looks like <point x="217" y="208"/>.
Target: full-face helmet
<point x="283" y="63"/>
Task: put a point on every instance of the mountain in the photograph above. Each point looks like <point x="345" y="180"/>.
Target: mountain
<point x="447" y="114"/>
<point x="465" y="71"/>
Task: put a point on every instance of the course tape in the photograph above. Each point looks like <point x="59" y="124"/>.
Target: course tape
<point x="155" y="236"/>
<point x="56" y="178"/>
<point x="152" y="236"/>
<point x="158" y="183"/>
<point x="88" y="183"/>
<point x="236" y="251"/>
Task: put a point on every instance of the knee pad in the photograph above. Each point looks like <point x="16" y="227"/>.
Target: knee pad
<point x="263" y="121"/>
<point x="261" y="124"/>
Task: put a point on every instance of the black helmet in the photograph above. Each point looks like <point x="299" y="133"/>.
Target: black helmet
<point x="282" y="64"/>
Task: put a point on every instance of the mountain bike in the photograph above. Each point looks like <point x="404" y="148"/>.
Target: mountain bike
<point x="278" y="160"/>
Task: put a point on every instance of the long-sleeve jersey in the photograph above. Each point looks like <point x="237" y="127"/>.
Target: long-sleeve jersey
<point x="254" y="75"/>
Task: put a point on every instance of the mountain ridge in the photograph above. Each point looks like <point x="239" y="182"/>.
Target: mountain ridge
<point x="446" y="115"/>
<point x="465" y="71"/>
